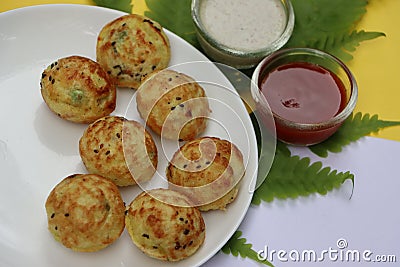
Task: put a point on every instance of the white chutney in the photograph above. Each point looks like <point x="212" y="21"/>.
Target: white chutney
<point x="240" y="33"/>
<point x="243" y="24"/>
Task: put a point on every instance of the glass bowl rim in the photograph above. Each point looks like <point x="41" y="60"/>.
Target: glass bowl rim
<point x="274" y="46"/>
<point x="338" y="118"/>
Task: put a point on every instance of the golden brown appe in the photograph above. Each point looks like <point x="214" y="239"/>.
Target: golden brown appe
<point x="85" y="212"/>
<point x="131" y="47"/>
<point x="120" y="150"/>
<point x="164" y="231"/>
<point x="173" y="105"/>
<point x="78" y="89"/>
<point x="208" y="170"/>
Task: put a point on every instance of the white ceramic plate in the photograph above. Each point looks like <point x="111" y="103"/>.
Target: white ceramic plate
<point x="38" y="149"/>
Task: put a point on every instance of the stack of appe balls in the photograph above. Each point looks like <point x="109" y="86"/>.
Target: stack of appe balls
<point x="85" y="212"/>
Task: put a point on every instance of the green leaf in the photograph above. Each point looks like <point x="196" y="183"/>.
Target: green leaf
<point x="292" y="177"/>
<point x="238" y="246"/>
<point x="329" y="26"/>
<point x="313" y="17"/>
<point x="356" y="126"/>
<point x="174" y="15"/>
<point x="122" y="5"/>
<point x="282" y="148"/>
<point x="341" y="44"/>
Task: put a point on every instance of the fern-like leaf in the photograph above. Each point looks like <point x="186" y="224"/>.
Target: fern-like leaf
<point x="342" y="44"/>
<point x="238" y="246"/>
<point x="292" y="177"/>
<point x="174" y="15"/>
<point x="122" y="5"/>
<point x="329" y="26"/>
<point x="356" y="126"/>
<point x="320" y="16"/>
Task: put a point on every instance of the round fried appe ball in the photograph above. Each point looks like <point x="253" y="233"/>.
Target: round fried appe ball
<point x="162" y="230"/>
<point x="173" y="105"/>
<point x="120" y="150"/>
<point x="131" y="47"/>
<point x="78" y="89"/>
<point x="208" y="170"/>
<point x="85" y="212"/>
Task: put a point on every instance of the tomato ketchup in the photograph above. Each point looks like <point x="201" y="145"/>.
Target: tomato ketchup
<point x="303" y="93"/>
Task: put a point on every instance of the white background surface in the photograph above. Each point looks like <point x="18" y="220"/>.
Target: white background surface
<point x="370" y="220"/>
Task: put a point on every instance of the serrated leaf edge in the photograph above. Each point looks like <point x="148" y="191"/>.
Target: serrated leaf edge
<point x="314" y="187"/>
<point x="353" y="122"/>
<point x="237" y="246"/>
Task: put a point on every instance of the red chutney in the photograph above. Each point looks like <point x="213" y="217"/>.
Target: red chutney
<point x="305" y="93"/>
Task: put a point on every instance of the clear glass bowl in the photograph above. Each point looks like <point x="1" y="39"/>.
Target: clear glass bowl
<point x="306" y="133"/>
<point x="240" y="58"/>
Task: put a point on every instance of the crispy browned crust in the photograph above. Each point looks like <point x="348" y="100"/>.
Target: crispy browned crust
<point x="78" y="89"/>
<point x="173" y="105"/>
<point x="213" y="170"/>
<point x="131" y="47"/>
<point x="85" y="212"/>
<point x="165" y="231"/>
<point x="104" y="152"/>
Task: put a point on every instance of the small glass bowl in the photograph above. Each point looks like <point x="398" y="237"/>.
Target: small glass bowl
<point x="306" y="133"/>
<point x="240" y="59"/>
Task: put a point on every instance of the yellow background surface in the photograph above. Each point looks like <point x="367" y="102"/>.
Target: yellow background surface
<point x="375" y="64"/>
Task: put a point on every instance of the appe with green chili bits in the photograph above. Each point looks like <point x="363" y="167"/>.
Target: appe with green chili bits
<point x="131" y="47"/>
<point x="78" y="89"/>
